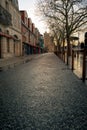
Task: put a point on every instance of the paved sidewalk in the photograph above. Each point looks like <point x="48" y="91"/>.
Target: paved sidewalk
<point x="42" y="95"/>
<point x="11" y="62"/>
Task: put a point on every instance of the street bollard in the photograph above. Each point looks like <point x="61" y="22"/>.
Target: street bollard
<point x="86" y="40"/>
<point x="84" y="66"/>
<point x="72" y="59"/>
<point x="84" y="59"/>
<point x="64" y="56"/>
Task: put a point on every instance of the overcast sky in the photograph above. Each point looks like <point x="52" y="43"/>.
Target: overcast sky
<point x="29" y="6"/>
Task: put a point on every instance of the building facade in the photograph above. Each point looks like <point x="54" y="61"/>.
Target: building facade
<point x="30" y="35"/>
<point x="10" y="29"/>
<point x="48" y="43"/>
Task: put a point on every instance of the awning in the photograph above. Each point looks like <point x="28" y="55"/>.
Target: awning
<point x="5" y="35"/>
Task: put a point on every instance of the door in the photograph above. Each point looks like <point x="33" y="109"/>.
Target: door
<point x="0" y="46"/>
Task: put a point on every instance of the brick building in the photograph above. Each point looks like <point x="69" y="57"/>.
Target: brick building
<point x="30" y="35"/>
<point x="10" y="29"/>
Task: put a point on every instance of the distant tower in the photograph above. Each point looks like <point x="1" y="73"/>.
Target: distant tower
<point x="48" y="42"/>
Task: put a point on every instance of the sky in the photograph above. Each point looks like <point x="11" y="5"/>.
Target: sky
<point x="29" y="6"/>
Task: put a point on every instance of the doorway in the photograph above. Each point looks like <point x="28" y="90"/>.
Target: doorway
<point x="0" y="46"/>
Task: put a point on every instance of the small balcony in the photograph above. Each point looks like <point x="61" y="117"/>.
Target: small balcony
<point x="5" y="17"/>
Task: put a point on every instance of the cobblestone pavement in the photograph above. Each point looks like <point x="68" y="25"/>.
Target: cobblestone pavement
<point x="42" y="94"/>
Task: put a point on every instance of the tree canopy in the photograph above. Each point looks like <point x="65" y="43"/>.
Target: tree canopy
<point x="64" y="17"/>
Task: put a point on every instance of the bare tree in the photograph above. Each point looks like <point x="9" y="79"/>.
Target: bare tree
<point x="71" y="14"/>
<point x="57" y="31"/>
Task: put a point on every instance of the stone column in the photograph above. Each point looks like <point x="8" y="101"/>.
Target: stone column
<point x="19" y="45"/>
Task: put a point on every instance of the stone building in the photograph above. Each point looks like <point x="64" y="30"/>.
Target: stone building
<point x="10" y="29"/>
<point x="48" y="43"/>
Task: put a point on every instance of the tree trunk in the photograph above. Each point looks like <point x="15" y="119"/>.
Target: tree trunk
<point x="68" y="49"/>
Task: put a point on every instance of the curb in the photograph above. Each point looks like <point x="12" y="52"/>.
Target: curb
<point x="12" y="65"/>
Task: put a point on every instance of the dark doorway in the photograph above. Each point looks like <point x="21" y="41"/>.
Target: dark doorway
<point x="0" y="46"/>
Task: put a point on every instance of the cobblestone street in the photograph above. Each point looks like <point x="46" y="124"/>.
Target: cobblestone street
<point x="42" y="94"/>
